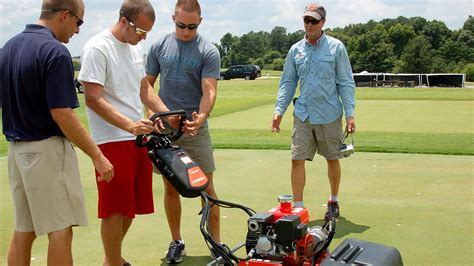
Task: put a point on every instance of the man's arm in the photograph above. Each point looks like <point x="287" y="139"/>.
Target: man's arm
<point x="286" y="91"/>
<point x="93" y="94"/>
<point x="150" y="98"/>
<point x="209" y="94"/>
<point x="77" y="134"/>
<point x="151" y="79"/>
<point x="346" y="87"/>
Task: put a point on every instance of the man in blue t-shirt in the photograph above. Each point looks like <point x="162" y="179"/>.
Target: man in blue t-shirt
<point x="189" y="67"/>
<point x="38" y="95"/>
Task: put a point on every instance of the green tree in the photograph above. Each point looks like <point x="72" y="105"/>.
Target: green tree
<point x="250" y="46"/>
<point x="418" y="24"/>
<point x="385" y="46"/>
<point x="227" y="41"/>
<point x="278" y="39"/>
<point x="417" y="56"/>
<point x="469" y="71"/>
<point x="436" y="33"/>
<point x="466" y="35"/>
<point x="469" y="24"/>
<point x="400" y="35"/>
<point x="372" y="51"/>
<point x="340" y="35"/>
<point x="278" y="64"/>
<point x="291" y="39"/>
<point x="455" y="52"/>
<point x="270" y="56"/>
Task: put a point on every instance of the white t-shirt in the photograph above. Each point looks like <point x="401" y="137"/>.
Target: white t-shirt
<point x="119" y="67"/>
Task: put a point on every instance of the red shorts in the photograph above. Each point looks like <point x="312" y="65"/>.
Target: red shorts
<point x="130" y="191"/>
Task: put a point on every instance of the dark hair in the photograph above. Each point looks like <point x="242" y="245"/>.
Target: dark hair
<point x="132" y="8"/>
<point x="49" y="5"/>
<point x="188" y="6"/>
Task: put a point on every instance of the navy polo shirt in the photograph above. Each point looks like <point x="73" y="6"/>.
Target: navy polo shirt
<point x="37" y="75"/>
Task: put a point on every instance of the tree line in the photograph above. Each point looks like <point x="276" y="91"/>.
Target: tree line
<point x="400" y="45"/>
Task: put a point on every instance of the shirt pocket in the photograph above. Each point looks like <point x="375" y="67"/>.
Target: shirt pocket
<point x="302" y="65"/>
<point x="326" y="67"/>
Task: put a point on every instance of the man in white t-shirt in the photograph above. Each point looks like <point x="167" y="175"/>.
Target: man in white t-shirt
<point x="113" y="76"/>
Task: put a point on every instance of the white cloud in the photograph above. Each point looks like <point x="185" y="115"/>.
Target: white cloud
<point x="240" y="16"/>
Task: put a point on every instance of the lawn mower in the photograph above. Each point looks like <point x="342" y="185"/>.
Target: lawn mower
<point x="279" y="236"/>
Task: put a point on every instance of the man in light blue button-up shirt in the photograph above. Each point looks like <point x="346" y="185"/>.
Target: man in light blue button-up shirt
<point x="321" y="65"/>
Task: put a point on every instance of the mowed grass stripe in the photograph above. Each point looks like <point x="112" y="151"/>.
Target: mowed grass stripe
<point x="383" y="116"/>
<point x="245" y="105"/>
<point x="390" y="142"/>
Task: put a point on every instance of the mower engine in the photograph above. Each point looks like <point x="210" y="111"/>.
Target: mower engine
<point x="281" y="236"/>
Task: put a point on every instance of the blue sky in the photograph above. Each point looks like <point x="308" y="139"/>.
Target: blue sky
<point x="239" y="16"/>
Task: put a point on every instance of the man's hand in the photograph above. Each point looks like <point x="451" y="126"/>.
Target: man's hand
<point x="276" y="123"/>
<point x="192" y="127"/>
<point x="350" y="125"/>
<point x="104" y="167"/>
<point x="141" y="127"/>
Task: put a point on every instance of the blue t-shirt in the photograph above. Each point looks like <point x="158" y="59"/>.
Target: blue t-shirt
<point x="182" y="66"/>
<point x="37" y="75"/>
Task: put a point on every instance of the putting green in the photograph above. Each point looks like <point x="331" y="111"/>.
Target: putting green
<point x="421" y="204"/>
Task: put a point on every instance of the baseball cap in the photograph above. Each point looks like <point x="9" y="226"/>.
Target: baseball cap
<point x="315" y="10"/>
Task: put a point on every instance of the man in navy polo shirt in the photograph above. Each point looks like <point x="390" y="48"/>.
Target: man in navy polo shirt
<point x="38" y="95"/>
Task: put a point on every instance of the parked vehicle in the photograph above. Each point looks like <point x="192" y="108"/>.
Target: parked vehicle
<point x="79" y="87"/>
<point x="246" y="72"/>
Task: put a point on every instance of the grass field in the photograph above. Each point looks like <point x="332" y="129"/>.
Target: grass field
<point x="405" y="194"/>
<point x="421" y="204"/>
<point x="409" y="120"/>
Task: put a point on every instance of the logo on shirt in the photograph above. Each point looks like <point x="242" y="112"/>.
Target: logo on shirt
<point x="300" y="55"/>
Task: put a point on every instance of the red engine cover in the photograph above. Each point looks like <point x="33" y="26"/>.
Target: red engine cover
<point x="286" y="208"/>
<point x="303" y="255"/>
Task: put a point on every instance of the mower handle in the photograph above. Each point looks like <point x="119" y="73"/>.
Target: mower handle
<point x="167" y="113"/>
<point x="139" y="139"/>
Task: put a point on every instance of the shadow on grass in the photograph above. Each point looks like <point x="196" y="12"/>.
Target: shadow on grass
<point x="191" y="260"/>
<point x="343" y="227"/>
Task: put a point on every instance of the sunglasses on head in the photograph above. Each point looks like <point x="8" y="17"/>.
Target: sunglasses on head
<point x="138" y="31"/>
<point x="312" y="21"/>
<point x="189" y="26"/>
<point x="79" y="21"/>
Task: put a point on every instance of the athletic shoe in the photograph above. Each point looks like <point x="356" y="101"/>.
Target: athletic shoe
<point x="175" y="252"/>
<point x="333" y="211"/>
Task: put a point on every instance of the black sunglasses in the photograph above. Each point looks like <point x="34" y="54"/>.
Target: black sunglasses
<point x="79" y="21"/>
<point x="312" y="21"/>
<point x="184" y="26"/>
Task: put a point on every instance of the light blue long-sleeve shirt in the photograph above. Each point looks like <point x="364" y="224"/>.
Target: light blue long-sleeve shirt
<point x="326" y="82"/>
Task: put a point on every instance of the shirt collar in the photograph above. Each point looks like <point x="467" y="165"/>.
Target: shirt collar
<point x="317" y="41"/>
<point x="36" y="28"/>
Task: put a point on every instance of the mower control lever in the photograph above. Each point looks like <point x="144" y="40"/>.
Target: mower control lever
<point x="169" y="132"/>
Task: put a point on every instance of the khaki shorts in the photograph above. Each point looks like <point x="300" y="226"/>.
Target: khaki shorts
<point x="199" y="148"/>
<point x="307" y="139"/>
<point x="46" y="186"/>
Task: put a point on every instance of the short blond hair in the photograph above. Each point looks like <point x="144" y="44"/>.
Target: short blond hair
<point x="188" y="6"/>
<point x="132" y="8"/>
